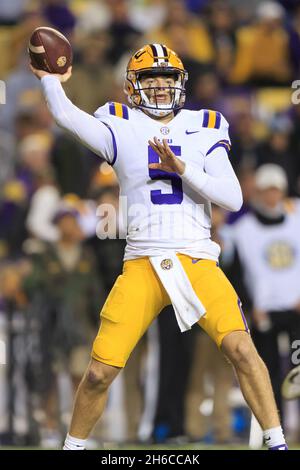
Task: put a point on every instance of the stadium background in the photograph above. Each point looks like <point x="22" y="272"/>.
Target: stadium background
<point x="242" y="58"/>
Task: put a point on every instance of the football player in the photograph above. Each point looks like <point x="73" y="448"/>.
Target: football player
<point x="171" y="164"/>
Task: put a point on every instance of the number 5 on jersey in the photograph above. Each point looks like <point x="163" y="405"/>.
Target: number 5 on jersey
<point x="157" y="197"/>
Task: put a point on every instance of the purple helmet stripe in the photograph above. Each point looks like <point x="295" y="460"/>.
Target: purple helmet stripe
<point x="154" y="52"/>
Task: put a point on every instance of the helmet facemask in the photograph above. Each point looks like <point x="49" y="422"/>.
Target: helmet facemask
<point x="140" y="96"/>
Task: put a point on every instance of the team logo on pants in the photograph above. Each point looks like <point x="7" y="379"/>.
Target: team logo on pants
<point x="166" y="264"/>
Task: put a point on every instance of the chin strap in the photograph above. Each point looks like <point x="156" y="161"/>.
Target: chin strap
<point x="156" y="112"/>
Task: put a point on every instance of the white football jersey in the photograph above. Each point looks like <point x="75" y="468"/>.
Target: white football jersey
<point x="162" y="212"/>
<point x="270" y="256"/>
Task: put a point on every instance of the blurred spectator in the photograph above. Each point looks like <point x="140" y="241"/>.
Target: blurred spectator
<point x="11" y="12"/>
<point x="246" y="179"/>
<point x="210" y="382"/>
<point x="271" y="267"/>
<point x="7" y="156"/>
<point x="32" y="172"/>
<point x="73" y="294"/>
<point x="222" y="27"/>
<point x="262" y="55"/>
<point x="59" y="15"/>
<point x="146" y="15"/>
<point x="73" y="165"/>
<point x="294" y="39"/>
<point x="93" y="15"/>
<point x="33" y="159"/>
<point x="13" y="211"/>
<point x="244" y="141"/>
<point x="26" y="123"/>
<point x="294" y="114"/>
<point x="176" y="352"/>
<point x="278" y="149"/>
<point x="206" y="91"/>
<point x="22" y="91"/>
<point x="91" y="82"/>
<point x="195" y="6"/>
<point x="109" y="250"/>
<point x="289" y="5"/>
<point x="122" y="34"/>
<point x="15" y="38"/>
<point x="87" y="213"/>
<point x="245" y="11"/>
<point x="15" y="417"/>
<point x="43" y="205"/>
<point x="184" y="33"/>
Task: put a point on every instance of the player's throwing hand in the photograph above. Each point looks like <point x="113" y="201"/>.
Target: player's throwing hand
<point x="168" y="161"/>
<point x="41" y="73"/>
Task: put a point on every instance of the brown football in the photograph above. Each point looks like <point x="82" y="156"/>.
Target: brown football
<point x="50" y="50"/>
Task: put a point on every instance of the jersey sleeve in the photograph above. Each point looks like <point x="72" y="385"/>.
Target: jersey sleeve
<point x="217" y="181"/>
<point x="218" y="135"/>
<point x="98" y="136"/>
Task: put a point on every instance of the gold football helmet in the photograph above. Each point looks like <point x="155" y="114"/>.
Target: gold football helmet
<point x="155" y="59"/>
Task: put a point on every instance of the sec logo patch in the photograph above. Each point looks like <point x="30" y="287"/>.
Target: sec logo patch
<point x="164" y="130"/>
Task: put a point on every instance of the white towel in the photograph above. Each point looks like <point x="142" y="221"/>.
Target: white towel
<point x="187" y="306"/>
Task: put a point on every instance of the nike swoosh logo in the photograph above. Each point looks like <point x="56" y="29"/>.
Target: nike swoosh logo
<point x="191" y="132"/>
<point x="194" y="261"/>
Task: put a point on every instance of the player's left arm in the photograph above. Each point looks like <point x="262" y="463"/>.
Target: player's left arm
<point x="217" y="182"/>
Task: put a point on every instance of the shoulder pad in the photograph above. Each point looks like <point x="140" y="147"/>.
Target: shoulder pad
<point x="211" y="119"/>
<point x="113" y="109"/>
<point x="215" y="120"/>
<point x="118" y="109"/>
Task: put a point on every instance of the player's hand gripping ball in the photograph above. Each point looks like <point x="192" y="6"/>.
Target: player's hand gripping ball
<point x="50" y="51"/>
